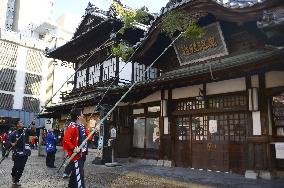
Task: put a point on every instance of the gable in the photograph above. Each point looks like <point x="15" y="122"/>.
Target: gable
<point x="89" y="22"/>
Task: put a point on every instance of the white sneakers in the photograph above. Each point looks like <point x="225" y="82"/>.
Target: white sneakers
<point x="65" y="175"/>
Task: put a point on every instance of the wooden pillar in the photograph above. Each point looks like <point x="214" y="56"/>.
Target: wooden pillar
<point x="161" y="126"/>
<point x="171" y="135"/>
<point x="258" y="141"/>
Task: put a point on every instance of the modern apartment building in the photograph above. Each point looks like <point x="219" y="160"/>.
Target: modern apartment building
<point x="27" y="77"/>
<point x="22" y="78"/>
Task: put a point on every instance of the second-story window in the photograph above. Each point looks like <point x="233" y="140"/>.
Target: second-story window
<point x="139" y="72"/>
<point x="140" y="75"/>
<point x="109" y="69"/>
<point x="94" y="74"/>
<point x="81" y="78"/>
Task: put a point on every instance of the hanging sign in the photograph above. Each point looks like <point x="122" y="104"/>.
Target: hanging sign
<point x="211" y="45"/>
<point x="213" y="126"/>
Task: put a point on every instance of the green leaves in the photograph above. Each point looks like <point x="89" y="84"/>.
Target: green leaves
<point x="130" y="16"/>
<point x="122" y="50"/>
<point x="172" y="22"/>
<point x="175" y="21"/>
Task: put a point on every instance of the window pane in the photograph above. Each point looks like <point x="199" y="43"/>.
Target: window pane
<point x="138" y="133"/>
<point x="278" y="114"/>
<point x="138" y="111"/>
<point x="152" y="133"/>
<point x="280" y="131"/>
<point x="154" y="109"/>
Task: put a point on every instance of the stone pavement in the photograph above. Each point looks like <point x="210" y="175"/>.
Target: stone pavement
<point x="36" y="175"/>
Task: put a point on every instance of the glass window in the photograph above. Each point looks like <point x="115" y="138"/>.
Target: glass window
<point x="138" y="111"/>
<point x="190" y="104"/>
<point x="152" y="133"/>
<point x="278" y="114"/>
<point x="199" y="127"/>
<point x="154" y="109"/>
<point x="183" y="128"/>
<point x="138" y="133"/>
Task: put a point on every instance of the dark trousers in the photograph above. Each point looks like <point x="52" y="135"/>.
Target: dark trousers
<point x="68" y="169"/>
<point x="77" y="174"/>
<point x="19" y="165"/>
<point x="50" y="158"/>
<point x="3" y="150"/>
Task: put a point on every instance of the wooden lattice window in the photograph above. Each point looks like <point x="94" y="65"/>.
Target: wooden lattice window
<point x="190" y="104"/>
<point x="7" y="79"/>
<point x="199" y="127"/>
<point x="237" y="125"/>
<point x="34" y="61"/>
<point x="229" y="127"/>
<point x="109" y="69"/>
<point x="31" y="104"/>
<point x="230" y="101"/>
<point x="278" y="114"/>
<point x="183" y="128"/>
<point x="6" y="101"/>
<point x="32" y="83"/>
<point x="222" y="131"/>
<point x="9" y="53"/>
<point x="139" y="74"/>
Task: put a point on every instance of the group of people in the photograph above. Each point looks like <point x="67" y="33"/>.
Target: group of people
<point x="3" y="139"/>
<point x="75" y="134"/>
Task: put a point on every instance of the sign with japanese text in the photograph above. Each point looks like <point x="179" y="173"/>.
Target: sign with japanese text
<point x="211" y="45"/>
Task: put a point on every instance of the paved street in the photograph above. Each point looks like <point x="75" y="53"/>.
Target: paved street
<point x="36" y="175"/>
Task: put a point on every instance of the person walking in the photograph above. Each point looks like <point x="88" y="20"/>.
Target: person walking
<point x="19" y="141"/>
<point x="4" y="143"/>
<point x="71" y="141"/>
<point x="50" y="141"/>
<point x="84" y="130"/>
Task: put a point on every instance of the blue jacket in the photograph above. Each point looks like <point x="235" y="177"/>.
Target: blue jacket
<point x="50" y="141"/>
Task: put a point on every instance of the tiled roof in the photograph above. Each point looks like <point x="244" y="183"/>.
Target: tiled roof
<point x="227" y="62"/>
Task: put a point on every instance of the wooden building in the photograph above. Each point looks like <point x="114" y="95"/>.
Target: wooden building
<point x="96" y="67"/>
<point x="216" y="103"/>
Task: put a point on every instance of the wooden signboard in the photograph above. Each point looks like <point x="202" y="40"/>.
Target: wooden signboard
<point x="211" y="45"/>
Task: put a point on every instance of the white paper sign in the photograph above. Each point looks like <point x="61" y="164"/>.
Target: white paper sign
<point x="279" y="147"/>
<point x="113" y="133"/>
<point x="213" y="126"/>
<point x="48" y="123"/>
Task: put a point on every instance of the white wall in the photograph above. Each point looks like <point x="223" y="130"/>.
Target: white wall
<point x="20" y="78"/>
<point x="3" y="12"/>
<point x="274" y="79"/>
<point x="151" y="98"/>
<point x="43" y="82"/>
<point x="233" y="85"/>
<point x="126" y="71"/>
<point x="185" y="92"/>
<point x="61" y="74"/>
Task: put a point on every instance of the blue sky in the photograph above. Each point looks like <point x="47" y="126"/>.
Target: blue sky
<point x="77" y="7"/>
